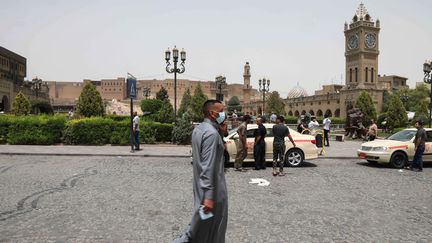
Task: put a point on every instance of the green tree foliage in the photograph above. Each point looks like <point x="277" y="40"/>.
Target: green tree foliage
<point x="396" y="113"/>
<point x="365" y="104"/>
<point x="386" y="100"/>
<point x="198" y="100"/>
<point x="182" y="132"/>
<point x="21" y="105"/>
<point x="166" y="113"/>
<point x="151" y="106"/>
<point x="41" y="107"/>
<point x="234" y="104"/>
<point x="185" y="103"/>
<point x="422" y="111"/>
<point x="275" y="104"/>
<point x="90" y="102"/>
<point x="162" y="94"/>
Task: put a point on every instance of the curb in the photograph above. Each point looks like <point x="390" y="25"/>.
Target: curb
<point x="99" y="155"/>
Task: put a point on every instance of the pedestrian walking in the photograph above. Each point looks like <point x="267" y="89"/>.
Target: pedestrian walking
<point x="313" y="125"/>
<point x="259" y="145"/>
<point x="210" y="213"/>
<point x="326" y="127"/>
<point x="136" y="129"/>
<point x="419" y="147"/>
<point x="241" y="144"/>
<point x="373" y="131"/>
<point x="280" y="131"/>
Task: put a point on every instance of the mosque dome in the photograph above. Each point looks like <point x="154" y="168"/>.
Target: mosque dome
<point x="296" y="92"/>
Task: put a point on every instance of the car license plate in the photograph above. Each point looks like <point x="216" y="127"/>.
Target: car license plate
<point x="362" y="156"/>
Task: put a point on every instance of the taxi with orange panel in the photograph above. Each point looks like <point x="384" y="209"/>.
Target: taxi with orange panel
<point x="397" y="149"/>
<point x="305" y="149"/>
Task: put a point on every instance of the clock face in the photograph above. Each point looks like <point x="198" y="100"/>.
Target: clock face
<point x="353" y="42"/>
<point x="370" y="40"/>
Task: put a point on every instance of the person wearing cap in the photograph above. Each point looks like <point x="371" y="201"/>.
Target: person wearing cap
<point x="241" y="144"/>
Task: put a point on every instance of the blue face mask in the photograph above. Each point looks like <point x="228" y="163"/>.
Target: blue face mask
<point x="221" y="117"/>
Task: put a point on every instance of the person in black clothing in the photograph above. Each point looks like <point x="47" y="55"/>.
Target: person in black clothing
<point x="259" y="145"/>
<point x="280" y="131"/>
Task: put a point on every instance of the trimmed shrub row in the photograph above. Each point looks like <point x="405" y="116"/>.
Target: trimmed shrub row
<point x="46" y="130"/>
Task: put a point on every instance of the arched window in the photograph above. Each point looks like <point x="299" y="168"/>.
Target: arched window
<point x="356" y="75"/>
<point x="296" y="113"/>
<point x="328" y="113"/>
<point x="337" y="113"/>
<point x="319" y="113"/>
<point x="290" y="113"/>
<point x="312" y="112"/>
<point x="372" y="75"/>
<point x="303" y="112"/>
<point x="350" y="75"/>
<point x="366" y="75"/>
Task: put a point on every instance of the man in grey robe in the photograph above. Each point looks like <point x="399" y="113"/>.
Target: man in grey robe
<point x="208" y="179"/>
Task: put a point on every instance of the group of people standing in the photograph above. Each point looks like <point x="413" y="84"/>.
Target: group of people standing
<point x="312" y="127"/>
<point x="280" y="131"/>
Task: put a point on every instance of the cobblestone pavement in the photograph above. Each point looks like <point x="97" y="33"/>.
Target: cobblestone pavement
<point x="120" y="199"/>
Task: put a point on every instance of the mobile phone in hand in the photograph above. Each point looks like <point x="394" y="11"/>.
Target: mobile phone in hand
<point x="204" y="215"/>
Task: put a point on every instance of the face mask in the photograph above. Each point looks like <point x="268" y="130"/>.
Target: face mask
<point x="221" y="118"/>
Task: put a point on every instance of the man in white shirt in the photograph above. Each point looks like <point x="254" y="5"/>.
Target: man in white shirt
<point x="135" y="127"/>
<point x="313" y="125"/>
<point x="326" y="126"/>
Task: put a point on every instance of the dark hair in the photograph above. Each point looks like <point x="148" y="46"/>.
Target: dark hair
<point x="280" y="118"/>
<point x="246" y="118"/>
<point x="326" y="116"/>
<point x="420" y="122"/>
<point x="207" y="105"/>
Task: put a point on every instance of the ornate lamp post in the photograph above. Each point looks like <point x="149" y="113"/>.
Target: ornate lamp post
<point x="146" y="92"/>
<point x="36" y="86"/>
<point x="175" y="70"/>
<point x="264" y="89"/>
<point x="220" y="85"/>
<point x="427" y="67"/>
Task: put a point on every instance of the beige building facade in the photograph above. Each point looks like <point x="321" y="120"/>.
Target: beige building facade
<point x="361" y="74"/>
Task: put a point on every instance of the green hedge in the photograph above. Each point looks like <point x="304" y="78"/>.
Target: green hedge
<point x="5" y="122"/>
<point x="37" y="130"/>
<point x="88" y="131"/>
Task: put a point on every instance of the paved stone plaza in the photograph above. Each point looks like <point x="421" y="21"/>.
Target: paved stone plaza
<point x="120" y="199"/>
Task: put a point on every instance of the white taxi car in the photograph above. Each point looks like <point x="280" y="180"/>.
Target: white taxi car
<point x="305" y="146"/>
<point x="397" y="149"/>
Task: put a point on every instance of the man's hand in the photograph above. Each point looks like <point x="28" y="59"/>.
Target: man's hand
<point x="208" y="205"/>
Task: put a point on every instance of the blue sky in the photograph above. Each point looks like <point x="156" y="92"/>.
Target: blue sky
<point x="288" y="41"/>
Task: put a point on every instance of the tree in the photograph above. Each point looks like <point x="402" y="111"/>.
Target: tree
<point x="166" y="113"/>
<point x="41" y="106"/>
<point x="386" y="100"/>
<point x="162" y="94"/>
<point x="421" y="112"/>
<point x="185" y="103"/>
<point x="275" y="104"/>
<point x="90" y="102"/>
<point x="396" y="113"/>
<point x="182" y="132"/>
<point x="198" y="100"/>
<point x="21" y="105"/>
<point x="234" y="104"/>
<point x="365" y="104"/>
<point x="151" y="108"/>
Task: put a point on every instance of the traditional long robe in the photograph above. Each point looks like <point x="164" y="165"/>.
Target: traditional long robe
<point x="208" y="183"/>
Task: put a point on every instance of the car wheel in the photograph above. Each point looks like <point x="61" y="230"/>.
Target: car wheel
<point x="294" y="157"/>
<point x="398" y="160"/>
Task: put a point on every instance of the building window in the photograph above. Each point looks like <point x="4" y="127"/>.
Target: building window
<point x="372" y="75"/>
<point x="366" y="74"/>
<point x="356" y="75"/>
<point x="350" y="79"/>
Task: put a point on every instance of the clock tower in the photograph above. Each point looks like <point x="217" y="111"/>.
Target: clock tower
<point x="361" y="51"/>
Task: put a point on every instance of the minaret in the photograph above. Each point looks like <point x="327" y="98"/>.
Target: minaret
<point x="246" y="82"/>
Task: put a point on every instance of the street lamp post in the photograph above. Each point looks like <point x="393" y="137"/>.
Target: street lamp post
<point x="175" y="70"/>
<point x="427" y="66"/>
<point x="220" y="85"/>
<point x="264" y="89"/>
<point x="404" y="98"/>
<point x="146" y="92"/>
<point x="36" y="86"/>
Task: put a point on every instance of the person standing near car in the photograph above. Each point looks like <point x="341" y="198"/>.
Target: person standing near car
<point x="259" y="145"/>
<point x="210" y="217"/>
<point x="280" y="131"/>
<point x="241" y="144"/>
<point x="313" y="125"/>
<point x="419" y="147"/>
<point x="135" y="128"/>
<point x="326" y="127"/>
<point x="373" y="131"/>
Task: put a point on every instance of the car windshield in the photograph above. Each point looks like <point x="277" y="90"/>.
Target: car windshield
<point x="404" y="135"/>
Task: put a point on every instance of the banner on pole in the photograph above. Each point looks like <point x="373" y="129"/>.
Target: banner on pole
<point x="131" y="87"/>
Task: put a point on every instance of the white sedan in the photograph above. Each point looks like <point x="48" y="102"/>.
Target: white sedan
<point x="305" y="149"/>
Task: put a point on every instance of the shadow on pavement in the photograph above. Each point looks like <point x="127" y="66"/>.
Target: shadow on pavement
<point x="388" y="166"/>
